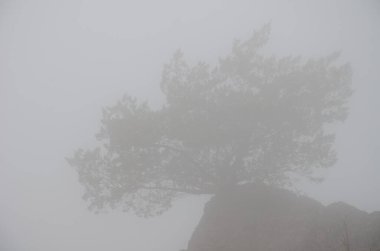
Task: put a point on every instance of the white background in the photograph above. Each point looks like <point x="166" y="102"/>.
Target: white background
<point x="62" y="61"/>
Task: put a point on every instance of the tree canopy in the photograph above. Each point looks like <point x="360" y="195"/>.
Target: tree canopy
<point x="250" y="118"/>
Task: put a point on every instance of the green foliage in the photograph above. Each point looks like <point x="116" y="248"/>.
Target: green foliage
<point x="251" y="118"/>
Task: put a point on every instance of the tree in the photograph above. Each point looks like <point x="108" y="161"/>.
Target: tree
<point x="251" y="118"/>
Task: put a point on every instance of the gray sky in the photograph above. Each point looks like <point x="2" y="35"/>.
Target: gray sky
<point x="62" y="61"/>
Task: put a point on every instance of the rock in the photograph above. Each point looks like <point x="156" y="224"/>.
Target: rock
<point x="263" y="218"/>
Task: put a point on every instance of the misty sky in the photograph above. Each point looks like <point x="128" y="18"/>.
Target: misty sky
<point x="62" y="61"/>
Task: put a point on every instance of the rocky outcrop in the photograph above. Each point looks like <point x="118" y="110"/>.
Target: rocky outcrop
<point x="262" y="218"/>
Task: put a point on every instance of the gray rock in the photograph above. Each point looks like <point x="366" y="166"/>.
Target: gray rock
<point x="262" y="218"/>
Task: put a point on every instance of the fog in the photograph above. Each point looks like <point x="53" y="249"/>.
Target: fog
<point x="61" y="62"/>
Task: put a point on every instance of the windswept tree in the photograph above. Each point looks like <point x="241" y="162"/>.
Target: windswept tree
<point x="251" y="118"/>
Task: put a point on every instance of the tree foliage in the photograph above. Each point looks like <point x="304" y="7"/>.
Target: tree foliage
<point x="251" y="118"/>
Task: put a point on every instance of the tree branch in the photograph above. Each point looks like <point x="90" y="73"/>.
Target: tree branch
<point x="178" y="190"/>
<point x="192" y="160"/>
